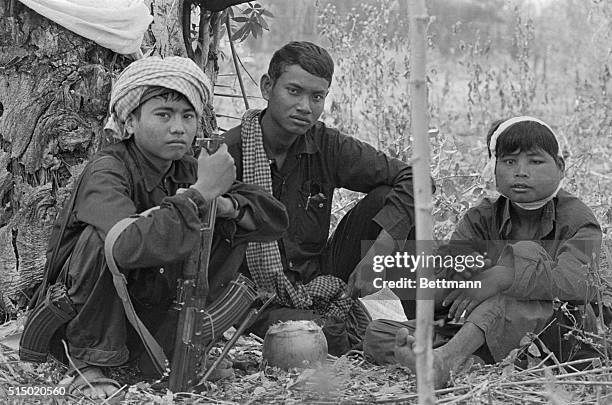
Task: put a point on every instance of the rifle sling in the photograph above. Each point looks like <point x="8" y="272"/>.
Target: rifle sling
<point x="160" y="361"/>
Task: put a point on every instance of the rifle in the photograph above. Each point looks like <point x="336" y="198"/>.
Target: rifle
<point x="248" y="319"/>
<point x="191" y="297"/>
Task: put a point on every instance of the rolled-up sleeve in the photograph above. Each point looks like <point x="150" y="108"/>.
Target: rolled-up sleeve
<point x="269" y="215"/>
<point x="538" y="276"/>
<point x="360" y="167"/>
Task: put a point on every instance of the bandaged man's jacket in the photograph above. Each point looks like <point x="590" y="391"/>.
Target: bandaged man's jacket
<point x="554" y="266"/>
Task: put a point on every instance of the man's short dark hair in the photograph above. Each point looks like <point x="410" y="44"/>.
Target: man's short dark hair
<point x="513" y="139"/>
<point x="310" y="57"/>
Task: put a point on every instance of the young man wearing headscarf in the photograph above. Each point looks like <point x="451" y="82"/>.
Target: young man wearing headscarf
<point x="301" y="161"/>
<point x="155" y="109"/>
<point x="541" y="242"/>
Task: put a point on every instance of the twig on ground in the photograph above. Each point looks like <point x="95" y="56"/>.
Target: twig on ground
<point x="522" y="399"/>
<point x="256" y="338"/>
<point x="567" y="363"/>
<point x="4" y="360"/>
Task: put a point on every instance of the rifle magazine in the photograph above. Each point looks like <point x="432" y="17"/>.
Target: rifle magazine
<point x="46" y="318"/>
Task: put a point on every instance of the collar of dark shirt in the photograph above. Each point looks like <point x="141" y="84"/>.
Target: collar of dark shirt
<point x="154" y="175"/>
<point x="303" y="144"/>
<point x="546" y="223"/>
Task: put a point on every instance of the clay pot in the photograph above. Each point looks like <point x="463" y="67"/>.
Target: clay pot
<point x="295" y="344"/>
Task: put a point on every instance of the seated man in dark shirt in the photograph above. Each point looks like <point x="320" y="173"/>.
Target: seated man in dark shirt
<point x="542" y="243"/>
<point x="301" y="161"/>
<point x="156" y="106"/>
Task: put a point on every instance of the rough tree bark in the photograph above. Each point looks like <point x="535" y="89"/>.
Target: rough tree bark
<point x="54" y="90"/>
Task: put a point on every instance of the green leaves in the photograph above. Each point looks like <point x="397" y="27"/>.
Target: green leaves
<point x="251" y="21"/>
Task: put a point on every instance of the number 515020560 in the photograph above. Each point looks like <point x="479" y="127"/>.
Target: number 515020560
<point x="36" y="391"/>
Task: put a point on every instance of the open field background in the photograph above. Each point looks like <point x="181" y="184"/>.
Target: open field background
<point x="486" y="60"/>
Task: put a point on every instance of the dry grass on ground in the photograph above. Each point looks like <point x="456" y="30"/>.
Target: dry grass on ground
<point x="346" y="380"/>
<point x="350" y="379"/>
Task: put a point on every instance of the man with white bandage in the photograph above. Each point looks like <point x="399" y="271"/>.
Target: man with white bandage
<point x="155" y="110"/>
<point x="541" y="242"/>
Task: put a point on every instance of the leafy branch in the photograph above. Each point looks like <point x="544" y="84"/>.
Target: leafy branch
<point x="252" y="21"/>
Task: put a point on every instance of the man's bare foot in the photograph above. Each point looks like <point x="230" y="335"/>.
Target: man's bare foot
<point x="222" y="371"/>
<point x="92" y="383"/>
<point x="443" y="364"/>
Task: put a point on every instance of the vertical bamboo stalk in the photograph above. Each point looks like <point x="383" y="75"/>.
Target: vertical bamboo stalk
<point x="422" y="197"/>
<point x="235" y="59"/>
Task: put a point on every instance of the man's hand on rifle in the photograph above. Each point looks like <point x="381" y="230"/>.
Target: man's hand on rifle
<point x="216" y="173"/>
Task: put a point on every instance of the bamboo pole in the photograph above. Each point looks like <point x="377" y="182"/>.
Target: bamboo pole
<point x="422" y="197"/>
<point x="235" y="59"/>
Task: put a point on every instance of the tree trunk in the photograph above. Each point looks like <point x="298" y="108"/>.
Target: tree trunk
<point x="54" y="87"/>
<point x="54" y="90"/>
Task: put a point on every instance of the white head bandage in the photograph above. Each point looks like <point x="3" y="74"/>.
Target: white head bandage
<point x="488" y="174"/>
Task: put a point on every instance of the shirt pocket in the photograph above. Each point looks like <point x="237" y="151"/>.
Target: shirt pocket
<point x="313" y="215"/>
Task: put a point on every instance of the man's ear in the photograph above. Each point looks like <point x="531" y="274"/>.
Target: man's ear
<point x="561" y="165"/>
<point x="265" y="85"/>
<point x="128" y="127"/>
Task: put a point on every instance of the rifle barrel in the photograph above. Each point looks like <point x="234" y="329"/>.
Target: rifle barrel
<point x="194" y="291"/>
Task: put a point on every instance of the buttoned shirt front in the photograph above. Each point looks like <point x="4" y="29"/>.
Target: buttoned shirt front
<point x="317" y="163"/>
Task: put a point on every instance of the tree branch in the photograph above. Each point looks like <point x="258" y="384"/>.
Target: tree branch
<point x="235" y="59"/>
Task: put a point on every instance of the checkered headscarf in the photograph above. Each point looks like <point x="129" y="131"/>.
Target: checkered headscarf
<point x="175" y="73"/>
<point x="324" y="294"/>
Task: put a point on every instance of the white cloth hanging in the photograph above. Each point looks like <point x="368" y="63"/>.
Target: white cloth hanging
<point x="118" y="25"/>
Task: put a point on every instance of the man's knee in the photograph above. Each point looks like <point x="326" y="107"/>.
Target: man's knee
<point x="526" y="251"/>
<point x="370" y="205"/>
<point x="376" y="197"/>
<point x="361" y="215"/>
